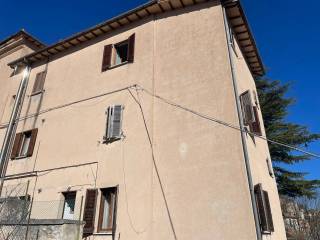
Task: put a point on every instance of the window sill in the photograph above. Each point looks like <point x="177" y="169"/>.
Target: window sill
<point x="116" y="65"/>
<point x="36" y="93"/>
<point x="109" y="233"/>
<point x="20" y="157"/>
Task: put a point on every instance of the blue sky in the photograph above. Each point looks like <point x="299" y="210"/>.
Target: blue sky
<point x="287" y="34"/>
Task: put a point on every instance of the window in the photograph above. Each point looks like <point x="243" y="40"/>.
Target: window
<point x="118" y="54"/>
<point x="247" y="107"/>
<point x="255" y="126"/>
<point x="107" y="209"/>
<point x="121" y="52"/>
<point x="26" y="137"/>
<point x="39" y="83"/>
<point x="114" y="123"/>
<point x="24" y="144"/>
<point x="68" y="206"/>
<point x="250" y="113"/>
<point x="264" y="209"/>
<point x="270" y="168"/>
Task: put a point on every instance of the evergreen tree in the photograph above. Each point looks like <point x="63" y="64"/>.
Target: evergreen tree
<point x="274" y="105"/>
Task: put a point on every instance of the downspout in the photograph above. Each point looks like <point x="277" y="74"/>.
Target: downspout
<point x="5" y="149"/>
<point x="241" y="124"/>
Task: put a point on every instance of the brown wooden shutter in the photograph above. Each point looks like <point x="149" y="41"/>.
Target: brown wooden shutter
<point x="255" y="126"/>
<point x="16" y="145"/>
<point x="247" y="108"/>
<point x="89" y="211"/>
<point x="115" y="207"/>
<point x="39" y="82"/>
<point x="131" y="44"/>
<point x="261" y="208"/>
<point x="34" y="133"/>
<point x="268" y="211"/>
<point x="42" y="80"/>
<point x="106" y="61"/>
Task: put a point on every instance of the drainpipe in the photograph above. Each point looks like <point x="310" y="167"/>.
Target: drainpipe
<point x="12" y="123"/>
<point x="242" y="132"/>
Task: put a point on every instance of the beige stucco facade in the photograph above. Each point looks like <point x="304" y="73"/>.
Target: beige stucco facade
<point x="179" y="174"/>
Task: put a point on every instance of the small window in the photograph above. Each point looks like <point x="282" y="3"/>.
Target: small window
<point x="247" y="107"/>
<point x="107" y="209"/>
<point x="68" y="206"/>
<point x="121" y="53"/>
<point x="264" y="209"/>
<point x="250" y="113"/>
<point x="114" y="123"/>
<point x="39" y="83"/>
<point x="24" y="144"/>
<point x="270" y="168"/>
<point x="26" y="138"/>
<point x="118" y="54"/>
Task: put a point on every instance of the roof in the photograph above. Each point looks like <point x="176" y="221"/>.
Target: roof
<point x="234" y="11"/>
<point x="241" y="28"/>
<point x="22" y="34"/>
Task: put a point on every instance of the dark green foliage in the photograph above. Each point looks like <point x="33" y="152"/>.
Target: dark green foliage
<point x="274" y="105"/>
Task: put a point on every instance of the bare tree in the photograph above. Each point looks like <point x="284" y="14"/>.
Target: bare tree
<point x="302" y="218"/>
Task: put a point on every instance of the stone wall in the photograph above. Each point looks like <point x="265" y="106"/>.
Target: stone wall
<point x="41" y="229"/>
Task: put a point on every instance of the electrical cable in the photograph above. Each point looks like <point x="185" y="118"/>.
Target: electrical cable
<point x="154" y="162"/>
<point x="3" y="125"/>
<point x="226" y="124"/>
<point x="138" y="87"/>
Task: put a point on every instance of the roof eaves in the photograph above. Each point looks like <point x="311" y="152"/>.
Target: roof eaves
<point x="28" y="37"/>
<point x="76" y="36"/>
<point x="256" y="66"/>
<point x="252" y="55"/>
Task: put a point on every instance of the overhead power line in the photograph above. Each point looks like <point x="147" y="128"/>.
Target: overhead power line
<point x="227" y="124"/>
<point x="138" y="87"/>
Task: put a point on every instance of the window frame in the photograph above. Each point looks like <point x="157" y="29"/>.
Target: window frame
<point x="112" y="210"/>
<point x="18" y="144"/>
<point x="263" y="209"/>
<point x="114" y="53"/>
<point x="110" y="54"/>
<point x="21" y="147"/>
<point x="246" y="121"/>
<point x="67" y="195"/>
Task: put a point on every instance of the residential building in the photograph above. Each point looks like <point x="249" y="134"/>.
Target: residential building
<point x="146" y="126"/>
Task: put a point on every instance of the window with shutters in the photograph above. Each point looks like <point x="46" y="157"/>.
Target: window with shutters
<point x="24" y="144"/>
<point x="38" y="83"/>
<point x="264" y="209"/>
<point x="247" y="107"/>
<point x="107" y="209"/>
<point x="114" y="123"/>
<point x="250" y="113"/>
<point x="118" y="54"/>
